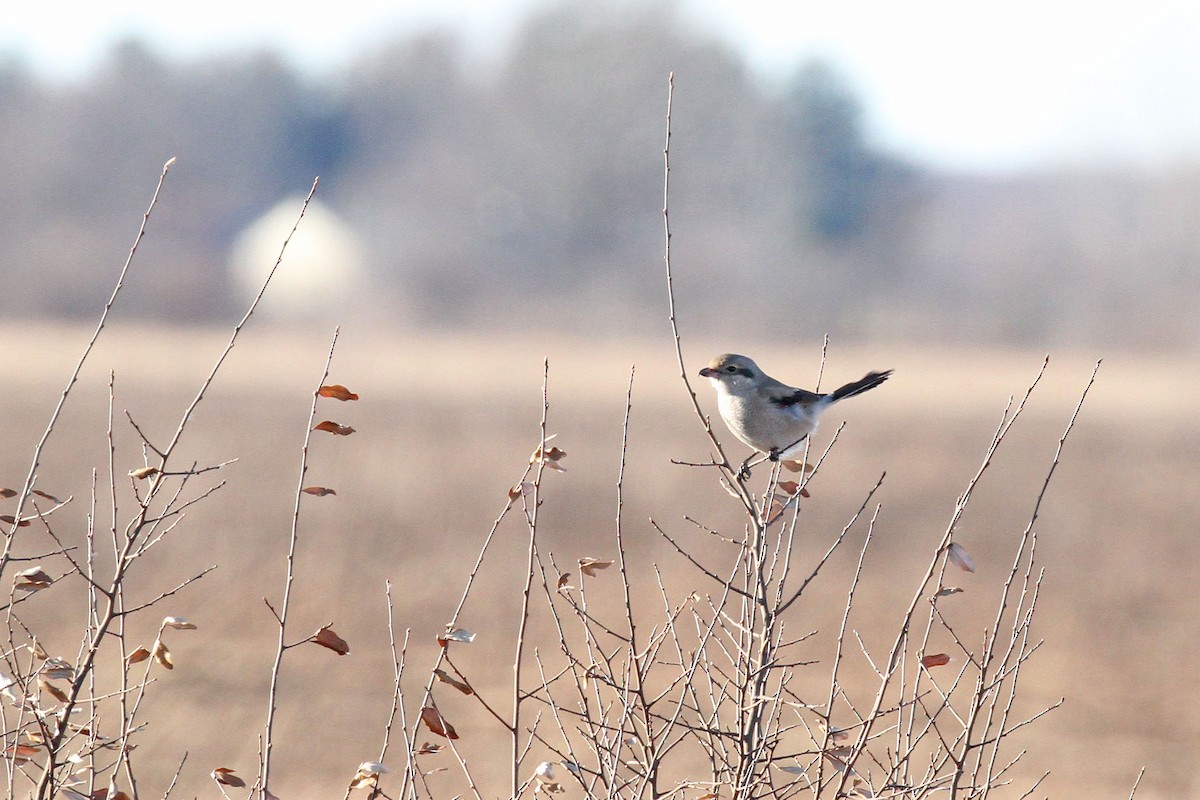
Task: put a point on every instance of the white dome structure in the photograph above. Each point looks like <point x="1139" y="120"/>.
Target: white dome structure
<point x="322" y="272"/>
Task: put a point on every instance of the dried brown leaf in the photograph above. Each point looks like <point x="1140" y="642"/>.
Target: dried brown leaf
<point x="141" y="473"/>
<point x="327" y="638"/>
<point x="436" y="723"/>
<point x="589" y="566"/>
<point x="520" y="490"/>
<point x="948" y="590"/>
<point x="49" y="497"/>
<point x="137" y="656"/>
<point x="33" y="579"/>
<point x="7" y="493"/>
<point x="319" y="491"/>
<point x="550" y="458"/>
<point x="52" y="690"/>
<point x="960" y="558"/>
<point x="429" y="748"/>
<point x="9" y="519"/>
<point x="21" y="753"/>
<point x="446" y="677"/>
<point x="329" y="426"/>
<point x="798" y="466"/>
<point x="58" y="669"/>
<point x="935" y="660"/>
<point x="178" y="623"/>
<point x="456" y="635"/>
<point x="162" y="655"/>
<point x="337" y="392"/>
<point x="564" y="582"/>
<point x="225" y="775"/>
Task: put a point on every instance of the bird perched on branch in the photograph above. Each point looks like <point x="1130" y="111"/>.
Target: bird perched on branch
<point x="770" y="416"/>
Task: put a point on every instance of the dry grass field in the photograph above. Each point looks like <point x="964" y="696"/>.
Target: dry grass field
<point x="445" y="426"/>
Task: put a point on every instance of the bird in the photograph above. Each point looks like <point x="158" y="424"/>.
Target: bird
<point x="770" y="416"/>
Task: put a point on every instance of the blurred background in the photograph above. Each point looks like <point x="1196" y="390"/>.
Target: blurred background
<point x="946" y="189"/>
<point x="925" y="172"/>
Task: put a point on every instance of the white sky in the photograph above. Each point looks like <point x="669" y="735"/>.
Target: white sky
<point x="955" y="82"/>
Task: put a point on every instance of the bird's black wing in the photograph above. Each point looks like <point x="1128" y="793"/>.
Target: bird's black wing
<point x="795" y="397"/>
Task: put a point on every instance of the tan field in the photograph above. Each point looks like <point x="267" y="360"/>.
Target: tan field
<point x="445" y="426"/>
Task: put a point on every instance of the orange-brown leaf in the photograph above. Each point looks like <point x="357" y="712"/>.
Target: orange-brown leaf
<point x="446" y="677"/>
<point x="550" y="458"/>
<point x="589" y="566"/>
<point x="225" y="775"/>
<point x="428" y="748"/>
<point x="327" y="638"/>
<point x="436" y="723"/>
<point x="55" y="692"/>
<point x="21" y="753"/>
<point x="319" y="491"/>
<point x="49" y="497"/>
<point x="10" y="519"/>
<point x="32" y="579"/>
<point x="329" y="426"/>
<point x="137" y="656"/>
<point x="935" y="660"/>
<point x="6" y="493"/>
<point x="337" y="392"/>
<point x="162" y="655"/>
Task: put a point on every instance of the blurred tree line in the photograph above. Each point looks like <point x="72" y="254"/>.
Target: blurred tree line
<point x="529" y="189"/>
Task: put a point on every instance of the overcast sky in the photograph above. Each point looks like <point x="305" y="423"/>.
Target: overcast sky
<point x="955" y="82"/>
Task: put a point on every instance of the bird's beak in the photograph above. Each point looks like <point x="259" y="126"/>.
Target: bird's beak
<point x="708" y="372"/>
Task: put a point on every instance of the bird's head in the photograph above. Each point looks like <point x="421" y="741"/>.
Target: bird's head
<point x="731" y="370"/>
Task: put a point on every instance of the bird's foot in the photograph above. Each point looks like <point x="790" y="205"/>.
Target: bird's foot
<point x="744" y="470"/>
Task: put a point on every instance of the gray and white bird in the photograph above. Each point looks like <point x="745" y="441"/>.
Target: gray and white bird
<point x="770" y="416"/>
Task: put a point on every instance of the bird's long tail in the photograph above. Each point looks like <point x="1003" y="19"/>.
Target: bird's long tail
<point x="870" y="381"/>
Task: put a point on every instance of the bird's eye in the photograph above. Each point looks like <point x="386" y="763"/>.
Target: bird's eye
<point x="731" y="368"/>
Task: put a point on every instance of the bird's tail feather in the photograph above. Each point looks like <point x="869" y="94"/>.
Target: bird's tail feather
<point x="866" y="383"/>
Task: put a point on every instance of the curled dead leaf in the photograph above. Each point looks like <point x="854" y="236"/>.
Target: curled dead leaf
<point x="6" y="493"/>
<point x="935" y="660"/>
<point x="33" y="579"/>
<point x="436" y="723"/>
<point x="959" y="557"/>
<point x="546" y="780"/>
<point x="162" y="655"/>
<point x="137" y="656"/>
<point x="52" y="690"/>
<point x="178" y="623"/>
<point x="798" y="466"/>
<point x="225" y="775"/>
<point x="327" y="638"/>
<point x="337" y="392"/>
<point x="9" y="519"/>
<point x="520" y="490"/>
<point x="46" y="496"/>
<point x="946" y="591"/>
<point x="564" y="582"/>
<point x="446" y="677"/>
<point x="329" y="426"/>
<point x="456" y="635"/>
<point x="429" y="748"/>
<point x="589" y="566"/>
<point x="141" y="473"/>
<point x="318" y="491"/>
<point x="368" y="774"/>
<point x="58" y="669"/>
<point x="550" y="458"/>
